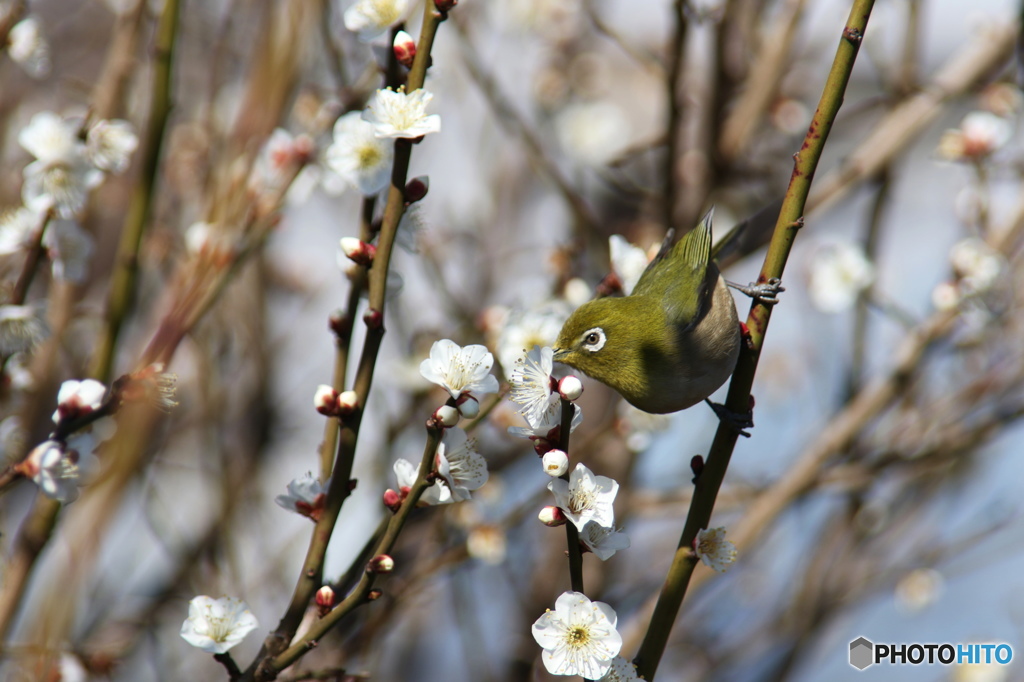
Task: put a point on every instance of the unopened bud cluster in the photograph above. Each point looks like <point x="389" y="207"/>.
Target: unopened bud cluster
<point x="331" y="403"/>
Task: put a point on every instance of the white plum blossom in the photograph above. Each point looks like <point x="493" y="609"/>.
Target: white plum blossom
<point x="578" y="637"/>
<point x="521" y="330"/>
<point x="603" y="541"/>
<point x="839" y="272"/>
<point x="20" y="328"/>
<point x="714" y="550"/>
<point x="16" y="229"/>
<point x="460" y="370"/>
<point x="27" y="46"/>
<point x="543" y="428"/>
<point x="54" y="469"/>
<point x="49" y="138"/>
<point x="70" y="249"/>
<point x="371" y="19"/>
<point x="980" y="134"/>
<point x="78" y="398"/>
<point x="459" y="464"/>
<point x="978" y="265"/>
<point x="395" y="113"/>
<point x="585" y="497"/>
<point x="406" y="473"/>
<point x="532" y="387"/>
<point x="306" y="496"/>
<point x="62" y="175"/>
<point x="110" y="144"/>
<point x="216" y="625"/>
<point x="622" y="670"/>
<point x="628" y="262"/>
<point x="592" y="133"/>
<point x="358" y="156"/>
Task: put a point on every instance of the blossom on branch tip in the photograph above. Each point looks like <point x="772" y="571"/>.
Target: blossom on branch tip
<point x="838" y="274"/>
<point x="397" y="114"/>
<point x="548" y="429"/>
<point x="622" y="670"/>
<point x="578" y="637"/>
<point x="980" y="134"/>
<point x="372" y="18"/>
<point x="54" y="469"/>
<point x="62" y="175"/>
<point x="459" y="464"/>
<point x="78" y="398"/>
<point x="216" y="625"/>
<point x="533" y="388"/>
<point x="585" y="497"/>
<point x="714" y="550"/>
<point x="628" y="262"/>
<point x="358" y="156"/>
<point x="20" y="329"/>
<point x="977" y="264"/>
<point x="307" y="496"/>
<point x="603" y="541"/>
<point x="17" y="227"/>
<point x="460" y="369"/>
<point x="110" y="144"/>
<point x="406" y="473"/>
<point x="27" y="46"/>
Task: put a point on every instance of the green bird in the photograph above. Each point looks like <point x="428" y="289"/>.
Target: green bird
<point x="674" y="340"/>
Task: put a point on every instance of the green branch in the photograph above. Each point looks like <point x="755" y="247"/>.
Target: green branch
<point x="786" y="227"/>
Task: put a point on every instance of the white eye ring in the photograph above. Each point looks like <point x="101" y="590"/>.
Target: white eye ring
<point x="594" y="339"/>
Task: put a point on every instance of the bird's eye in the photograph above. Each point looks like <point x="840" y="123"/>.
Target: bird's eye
<point x="594" y="339"/>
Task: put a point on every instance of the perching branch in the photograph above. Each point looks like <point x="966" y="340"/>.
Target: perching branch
<point x="789" y="222"/>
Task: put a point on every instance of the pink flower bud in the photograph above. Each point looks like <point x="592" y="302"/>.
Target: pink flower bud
<point x="469" y="407"/>
<point x="405" y="49"/>
<point x="325" y="400"/>
<point x="324" y="600"/>
<point x="552" y="517"/>
<point x="339" y="323"/>
<point x="359" y="252"/>
<point x="392" y="499"/>
<point x="416" y="189"/>
<point x="348" y="402"/>
<point x="374" y="319"/>
<point x="381" y="563"/>
<point x="447" y="416"/>
<point x="445" y="5"/>
<point x="555" y="463"/>
<point x="570" y="388"/>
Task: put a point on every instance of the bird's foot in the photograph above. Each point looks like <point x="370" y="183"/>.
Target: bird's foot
<point x="737" y="421"/>
<point x="766" y="292"/>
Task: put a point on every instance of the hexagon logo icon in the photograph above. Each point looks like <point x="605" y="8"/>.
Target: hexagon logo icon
<point x="861" y="653"/>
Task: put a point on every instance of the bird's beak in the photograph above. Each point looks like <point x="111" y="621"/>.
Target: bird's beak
<point x="559" y="353"/>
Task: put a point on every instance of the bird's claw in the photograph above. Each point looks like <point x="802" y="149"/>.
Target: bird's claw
<point x="765" y="292"/>
<point x="737" y="421"/>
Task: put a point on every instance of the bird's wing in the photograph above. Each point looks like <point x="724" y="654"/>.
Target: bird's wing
<point x="679" y="278"/>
